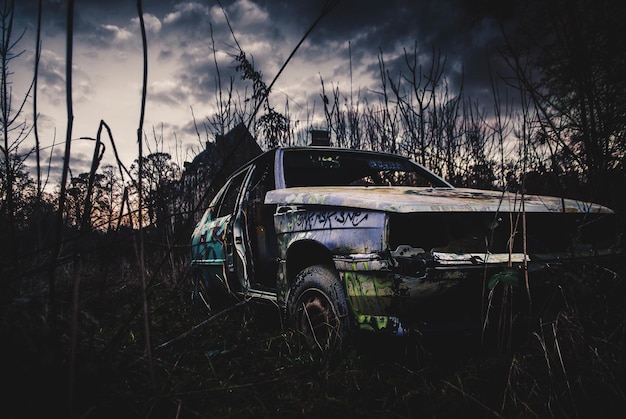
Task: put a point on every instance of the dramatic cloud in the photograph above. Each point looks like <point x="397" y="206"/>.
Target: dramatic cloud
<point x="52" y="76"/>
<point x="191" y="48"/>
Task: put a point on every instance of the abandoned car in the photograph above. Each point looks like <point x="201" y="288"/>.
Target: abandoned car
<point x="342" y="240"/>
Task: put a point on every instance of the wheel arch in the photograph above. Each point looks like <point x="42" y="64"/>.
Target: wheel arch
<point x="305" y="253"/>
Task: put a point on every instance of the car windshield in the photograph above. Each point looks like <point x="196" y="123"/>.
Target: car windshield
<point x="350" y="168"/>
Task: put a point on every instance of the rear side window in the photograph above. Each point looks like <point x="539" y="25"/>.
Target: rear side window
<point x="226" y="205"/>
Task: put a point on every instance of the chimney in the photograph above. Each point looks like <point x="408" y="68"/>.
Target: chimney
<point x="320" y="137"/>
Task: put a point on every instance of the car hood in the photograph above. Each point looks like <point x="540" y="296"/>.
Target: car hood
<point x="408" y="199"/>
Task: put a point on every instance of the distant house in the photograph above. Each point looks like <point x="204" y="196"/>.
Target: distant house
<point x="208" y="171"/>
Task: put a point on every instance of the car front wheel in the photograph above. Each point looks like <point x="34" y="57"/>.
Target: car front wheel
<point x="317" y="308"/>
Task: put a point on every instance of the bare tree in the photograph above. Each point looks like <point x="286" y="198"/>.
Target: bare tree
<point x="13" y="130"/>
<point x="418" y="99"/>
<point x="577" y="53"/>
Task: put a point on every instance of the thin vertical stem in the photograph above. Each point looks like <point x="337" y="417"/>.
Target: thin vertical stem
<point x="65" y="170"/>
<point x="66" y="162"/>
<point x="35" y="116"/>
<point x="142" y="272"/>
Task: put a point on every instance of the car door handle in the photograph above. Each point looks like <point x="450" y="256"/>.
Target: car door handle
<point x="238" y="240"/>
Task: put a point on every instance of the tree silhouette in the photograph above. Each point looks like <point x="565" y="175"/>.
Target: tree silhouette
<point x="570" y="58"/>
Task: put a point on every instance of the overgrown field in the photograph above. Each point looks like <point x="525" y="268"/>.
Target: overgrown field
<point x="244" y="363"/>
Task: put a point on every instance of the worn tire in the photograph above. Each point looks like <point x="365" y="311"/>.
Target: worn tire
<point x="317" y="308"/>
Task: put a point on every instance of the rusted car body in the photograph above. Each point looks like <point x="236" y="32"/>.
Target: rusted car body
<point x="346" y="240"/>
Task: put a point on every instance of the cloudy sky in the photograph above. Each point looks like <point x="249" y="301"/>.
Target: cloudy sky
<point x="182" y="72"/>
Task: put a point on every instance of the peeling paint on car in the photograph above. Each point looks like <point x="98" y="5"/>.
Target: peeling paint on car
<point x="369" y="292"/>
<point x="407" y="199"/>
<point x="362" y="262"/>
<point x="479" y="258"/>
<point x="393" y="249"/>
<point x="389" y="324"/>
<point x="208" y="241"/>
<point x="343" y="231"/>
